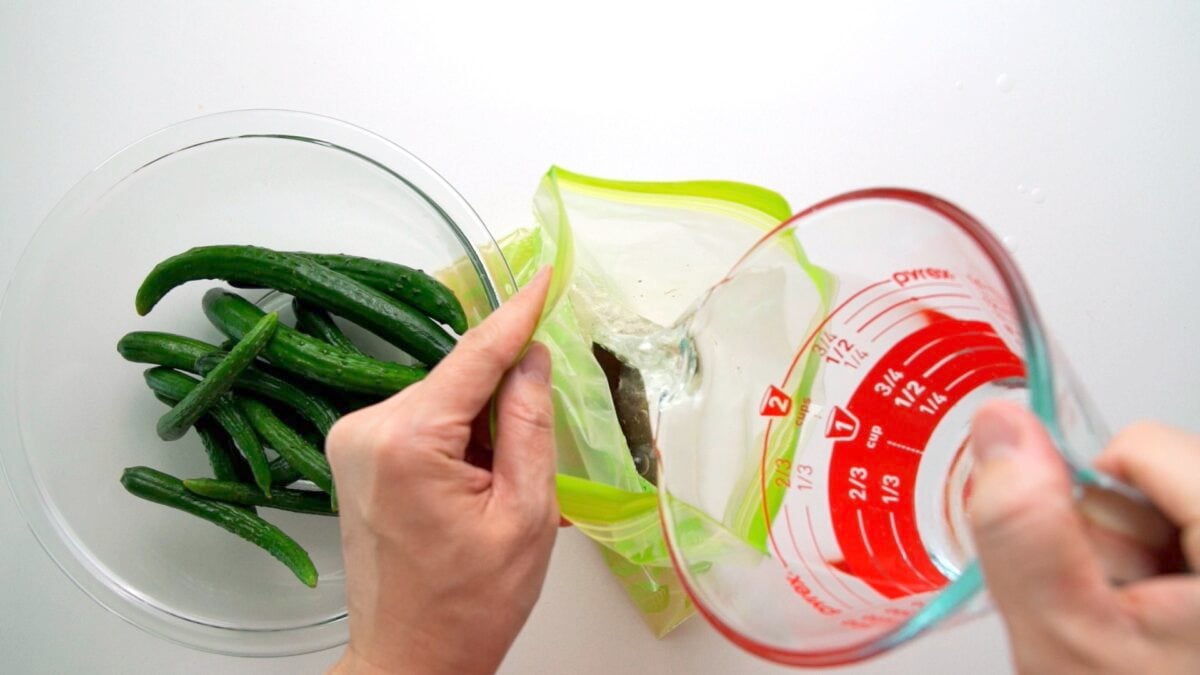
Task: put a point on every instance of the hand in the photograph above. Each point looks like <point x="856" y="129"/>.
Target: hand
<point x="444" y="557"/>
<point x="1050" y="561"/>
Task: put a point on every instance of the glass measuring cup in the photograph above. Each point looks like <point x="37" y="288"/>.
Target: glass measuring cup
<point x="814" y="448"/>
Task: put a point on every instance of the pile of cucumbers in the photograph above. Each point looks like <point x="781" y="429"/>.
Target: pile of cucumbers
<point x="263" y="401"/>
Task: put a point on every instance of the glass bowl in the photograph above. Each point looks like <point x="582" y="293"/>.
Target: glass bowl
<point x="73" y="413"/>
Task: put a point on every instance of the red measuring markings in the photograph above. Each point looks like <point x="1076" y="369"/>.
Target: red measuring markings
<point x="842" y="424"/>
<point x="872" y="475"/>
<point x="775" y="403"/>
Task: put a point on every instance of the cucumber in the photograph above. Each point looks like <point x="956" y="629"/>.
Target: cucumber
<point x="161" y="488"/>
<point x="394" y="321"/>
<point x="197" y="356"/>
<point x="176" y="421"/>
<point x="306" y="356"/>
<point x="163" y="349"/>
<point x="172" y="384"/>
<point x="300" y="501"/>
<point x="402" y="283"/>
<point x="282" y="473"/>
<point x="298" y="453"/>
<point x="223" y="458"/>
<point x="256" y="381"/>
<point x="314" y="321"/>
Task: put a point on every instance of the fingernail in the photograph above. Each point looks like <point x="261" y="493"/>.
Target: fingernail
<point x="535" y="365"/>
<point x="993" y="435"/>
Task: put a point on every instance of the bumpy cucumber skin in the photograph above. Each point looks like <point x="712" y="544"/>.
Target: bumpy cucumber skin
<point x="255" y="381"/>
<point x="299" y="453"/>
<point x="162" y="488"/>
<point x="233" y="492"/>
<point x="223" y="458"/>
<point x="173" y="384"/>
<point x="176" y="421"/>
<point x="309" y="357"/>
<point x="410" y="286"/>
<point x="163" y="349"/>
<point x="400" y="282"/>
<point x="394" y="321"/>
<point x="314" y="321"/>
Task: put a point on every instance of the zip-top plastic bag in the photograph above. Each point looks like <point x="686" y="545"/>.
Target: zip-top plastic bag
<point x="630" y="259"/>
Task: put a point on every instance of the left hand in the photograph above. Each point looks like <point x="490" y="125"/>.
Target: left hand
<point x="446" y="543"/>
<point x="1051" y="561"/>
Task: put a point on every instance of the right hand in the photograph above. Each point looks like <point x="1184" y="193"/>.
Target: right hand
<point x="1049" y="560"/>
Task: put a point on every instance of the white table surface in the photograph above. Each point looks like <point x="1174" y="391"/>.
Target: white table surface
<point x="1094" y="105"/>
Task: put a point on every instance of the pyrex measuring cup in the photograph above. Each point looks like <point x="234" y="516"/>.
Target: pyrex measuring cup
<point x="814" y="454"/>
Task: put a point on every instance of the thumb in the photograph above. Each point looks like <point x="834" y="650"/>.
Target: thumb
<point x="1031" y="541"/>
<point x="524" y="460"/>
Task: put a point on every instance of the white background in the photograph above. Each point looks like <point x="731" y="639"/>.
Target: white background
<point x="1094" y="104"/>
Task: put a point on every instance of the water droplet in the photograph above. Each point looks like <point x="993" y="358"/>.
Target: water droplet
<point x="1021" y="188"/>
<point x="1037" y="195"/>
<point x="958" y="84"/>
<point x="1005" y="82"/>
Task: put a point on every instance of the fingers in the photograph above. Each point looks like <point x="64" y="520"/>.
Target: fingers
<point x="464" y="381"/>
<point x="1189" y="542"/>
<point x="1166" y="607"/>
<point x="1031" y="541"/>
<point x="1133" y="539"/>
<point x="1163" y="463"/>
<point x="1124" y="558"/>
<point x="523" y="462"/>
<point x="1125" y="517"/>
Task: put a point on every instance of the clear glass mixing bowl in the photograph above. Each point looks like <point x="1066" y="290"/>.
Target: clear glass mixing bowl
<point x="73" y="413"/>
